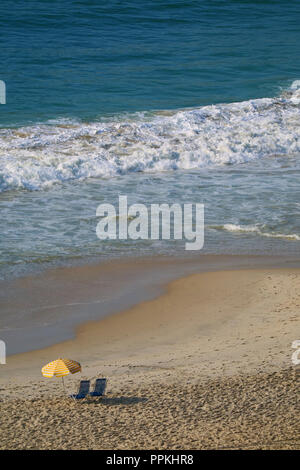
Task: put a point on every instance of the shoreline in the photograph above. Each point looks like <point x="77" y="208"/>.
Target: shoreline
<point x="139" y="312"/>
<point x="55" y="303"/>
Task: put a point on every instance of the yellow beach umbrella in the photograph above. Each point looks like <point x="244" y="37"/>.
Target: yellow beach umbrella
<point x="60" y="368"/>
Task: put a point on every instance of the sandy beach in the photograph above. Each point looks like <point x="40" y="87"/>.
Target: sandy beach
<point x="205" y="364"/>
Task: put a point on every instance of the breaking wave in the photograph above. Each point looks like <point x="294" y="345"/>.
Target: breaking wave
<point x="35" y="157"/>
<point x="256" y="230"/>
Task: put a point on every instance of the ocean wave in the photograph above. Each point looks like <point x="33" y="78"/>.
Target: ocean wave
<point x="259" y="230"/>
<point x="35" y="157"/>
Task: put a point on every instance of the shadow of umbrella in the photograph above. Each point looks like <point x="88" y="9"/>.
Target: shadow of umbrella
<point x="117" y="401"/>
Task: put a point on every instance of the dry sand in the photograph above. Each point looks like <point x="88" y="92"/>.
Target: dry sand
<point x="205" y="365"/>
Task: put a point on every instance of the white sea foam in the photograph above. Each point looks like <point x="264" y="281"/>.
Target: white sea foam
<point x="259" y="230"/>
<point x="37" y="156"/>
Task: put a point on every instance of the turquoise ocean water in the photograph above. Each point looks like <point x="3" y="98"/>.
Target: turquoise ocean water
<point x="162" y="101"/>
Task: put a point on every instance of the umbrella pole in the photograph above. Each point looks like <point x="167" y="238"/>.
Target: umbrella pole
<point x="63" y="384"/>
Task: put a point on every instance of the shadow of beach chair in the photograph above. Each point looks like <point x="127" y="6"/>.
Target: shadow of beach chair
<point x="83" y="390"/>
<point x="100" y="386"/>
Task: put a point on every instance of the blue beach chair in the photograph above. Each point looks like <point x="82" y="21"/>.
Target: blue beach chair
<point x="83" y="390"/>
<point x="100" y="386"/>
